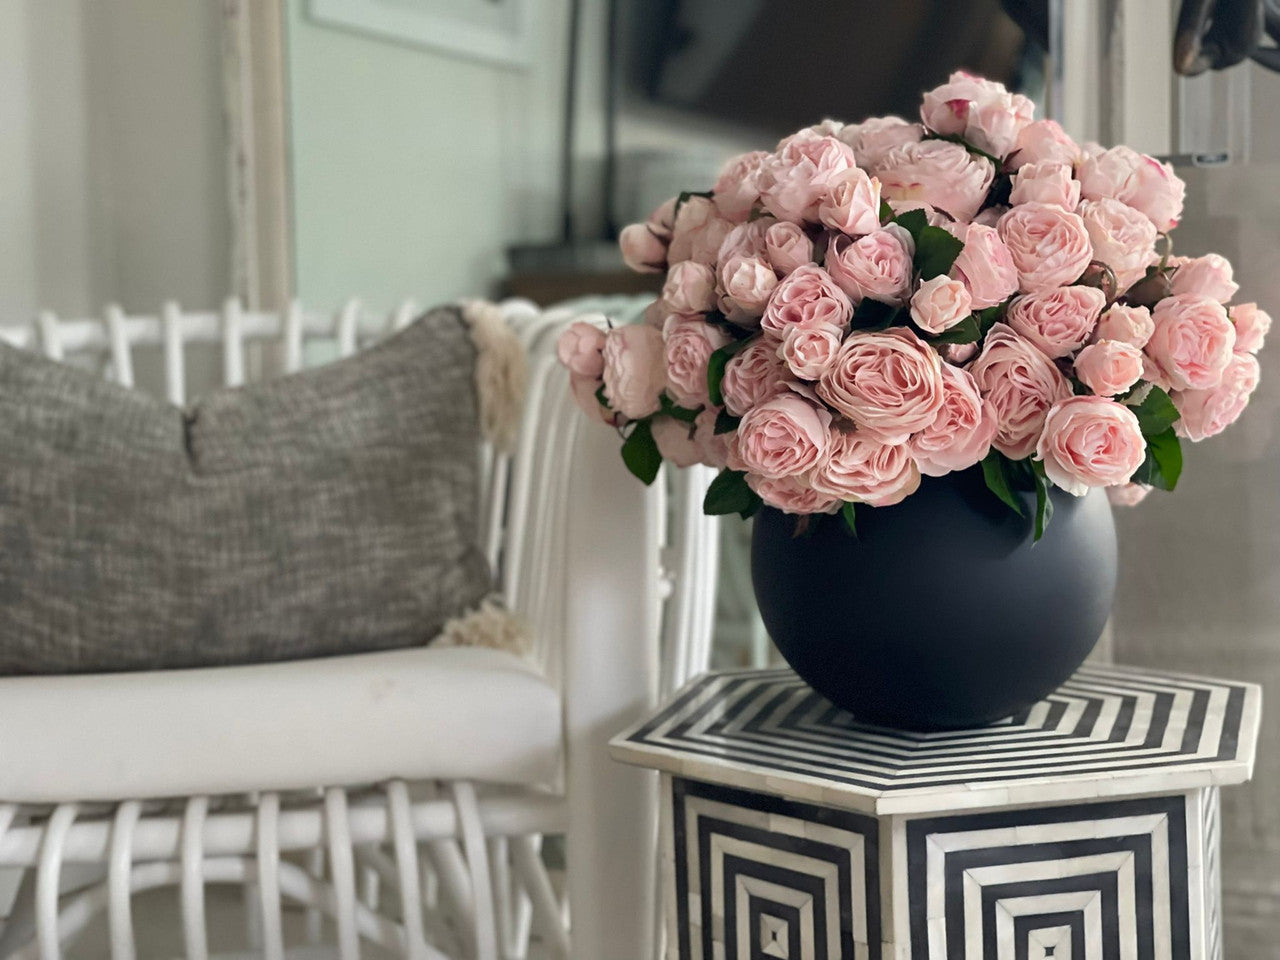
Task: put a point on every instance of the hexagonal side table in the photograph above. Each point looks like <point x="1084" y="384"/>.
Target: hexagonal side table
<point x="1085" y="828"/>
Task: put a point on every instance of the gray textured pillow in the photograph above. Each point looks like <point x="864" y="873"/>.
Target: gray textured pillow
<point x="328" y="512"/>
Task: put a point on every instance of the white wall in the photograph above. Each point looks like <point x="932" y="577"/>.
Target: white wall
<point x="112" y="159"/>
<point x="413" y="169"/>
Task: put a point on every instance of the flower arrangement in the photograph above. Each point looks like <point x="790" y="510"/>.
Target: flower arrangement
<point x="873" y="302"/>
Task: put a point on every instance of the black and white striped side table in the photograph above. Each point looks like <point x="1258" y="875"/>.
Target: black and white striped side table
<point x="1085" y="828"/>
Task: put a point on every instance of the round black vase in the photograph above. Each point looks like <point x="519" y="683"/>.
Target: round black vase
<point x="941" y="613"/>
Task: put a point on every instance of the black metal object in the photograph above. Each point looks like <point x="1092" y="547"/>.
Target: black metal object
<point x="941" y="613"/>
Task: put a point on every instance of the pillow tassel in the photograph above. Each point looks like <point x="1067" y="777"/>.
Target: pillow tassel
<point x="488" y="625"/>
<point x="500" y="374"/>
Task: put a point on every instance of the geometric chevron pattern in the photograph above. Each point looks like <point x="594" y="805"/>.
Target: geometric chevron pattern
<point x="759" y="876"/>
<point x="1086" y="828"/>
<point x="1107" y="723"/>
<point x="1089" y="880"/>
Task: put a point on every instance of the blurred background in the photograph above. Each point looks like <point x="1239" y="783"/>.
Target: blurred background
<point x="192" y="150"/>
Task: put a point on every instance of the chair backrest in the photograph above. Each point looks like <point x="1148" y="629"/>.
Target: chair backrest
<point x="525" y="494"/>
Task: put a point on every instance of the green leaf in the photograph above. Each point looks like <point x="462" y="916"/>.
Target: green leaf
<point x="715" y="369"/>
<point x="967" y="330"/>
<point x="996" y="472"/>
<point x="640" y="453"/>
<point x="1156" y="413"/>
<point x="847" y="512"/>
<point x="1163" y="464"/>
<point x="989" y="317"/>
<point x="600" y="399"/>
<point x="874" y="315"/>
<point x="726" y="422"/>
<point x="913" y="221"/>
<point x="729" y="493"/>
<point x="1044" y="505"/>
<point x="886" y="212"/>
<point x="936" y="251"/>
<point x="683" y="414"/>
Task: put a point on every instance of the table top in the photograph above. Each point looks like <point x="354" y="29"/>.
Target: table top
<point x="1107" y="732"/>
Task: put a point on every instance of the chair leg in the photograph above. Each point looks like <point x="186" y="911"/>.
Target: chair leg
<point x="20" y="925"/>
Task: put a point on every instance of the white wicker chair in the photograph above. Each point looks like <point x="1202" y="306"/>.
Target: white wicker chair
<point x="596" y="566"/>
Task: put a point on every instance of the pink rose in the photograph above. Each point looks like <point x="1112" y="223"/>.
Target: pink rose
<point x="939" y="304"/>
<point x="1152" y="373"/>
<point x="585" y="390"/>
<point x="699" y="230"/>
<point x="1044" y="140"/>
<point x="807" y="297"/>
<point x="1158" y="192"/>
<point x="579" y="348"/>
<point x="1122" y="238"/>
<point x="685" y="444"/>
<point x="690" y="287"/>
<point x="1108" y="173"/>
<point x="712" y="446"/>
<point x="1192" y="342"/>
<point x="791" y="495"/>
<point x="675" y="441"/>
<point x="960" y="353"/>
<point x="982" y="112"/>
<point x="1090" y="442"/>
<point x="690" y="341"/>
<point x="1050" y="246"/>
<point x="794" y="181"/>
<point x="783" y="437"/>
<point x="1058" y="321"/>
<point x="1206" y="413"/>
<point x="1127" y="494"/>
<point x="961" y="434"/>
<point x="737" y="189"/>
<point x="745" y="240"/>
<point x="1045" y="182"/>
<point x="852" y="203"/>
<point x="662" y="221"/>
<point x="940" y="173"/>
<point x="1125" y="323"/>
<point x="1252" y="326"/>
<point x="858" y="468"/>
<point x="808" y="352"/>
<point x="635" y="370"/>
<point x="876" y="266"/>
<point x="889" y="383"/>
<point x="1210" y="276"/>
<point x="873" y="139"/>
<point x="752" y="376"/>
<point x="1142" y="182"/>
<point x="827" y="127"/>
<point x="985" y="266"/>
<point x="644" y="250"/>
<point x="1109" y="367"/>
<point x="787" y="246"/>
<point x="1022" y="384"/>
<point x="747" y="282"/>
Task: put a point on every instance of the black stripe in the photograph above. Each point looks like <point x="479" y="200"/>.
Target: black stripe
<point x="1104" y="883"/>
<point x="757" y="907"/>
<point x="1173" y="807"/>
<point x="864" y="826"/>
<point x="1023" y="926"/>
<point x="793" y="880"/>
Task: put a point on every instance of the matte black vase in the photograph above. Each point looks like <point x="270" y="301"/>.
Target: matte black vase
<point x="941" y="613"/>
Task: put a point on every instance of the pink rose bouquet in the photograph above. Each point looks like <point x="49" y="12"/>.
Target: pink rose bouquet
<point x="869" y="304"/>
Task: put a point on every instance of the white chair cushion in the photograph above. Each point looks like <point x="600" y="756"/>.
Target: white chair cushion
<point x="423" y="713"/>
